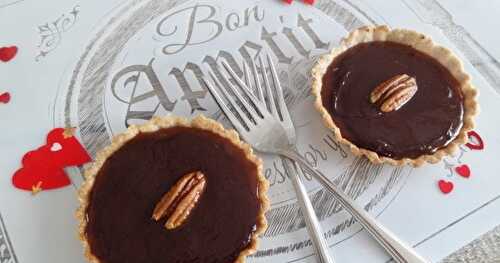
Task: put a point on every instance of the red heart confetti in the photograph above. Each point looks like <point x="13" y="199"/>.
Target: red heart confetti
<point x="309" y="2"/>
<point x="72" y="152"/>
<point x="445" y="186"/>
<point x="5" y="97"/>
<point x="463" y="170"/>
<point x="475" y="141"/>
<point x="43" y="168"/>
<point x="39" y="172"/>
<point x="7" y="53"/>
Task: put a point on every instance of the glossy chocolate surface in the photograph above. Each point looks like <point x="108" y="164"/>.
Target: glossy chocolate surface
<point x="133" y="180"/>
<point x="429" y="121"/>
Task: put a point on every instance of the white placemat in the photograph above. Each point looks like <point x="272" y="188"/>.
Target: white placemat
<point x="55" y="82"/>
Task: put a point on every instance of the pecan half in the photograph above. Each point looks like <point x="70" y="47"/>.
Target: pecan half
<point x="180" y="200"/>
<point x="393" y="93"/>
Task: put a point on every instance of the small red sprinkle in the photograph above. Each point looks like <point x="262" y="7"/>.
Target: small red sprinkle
<point x="445" y="186"/>
<point x="478" y="145"/>
<point x="288" y="1"/>
<point x="463" y="170"/>
<point x="309" y="2"/>
<point x="7" y="53"/>
<point x="5" y="97"/>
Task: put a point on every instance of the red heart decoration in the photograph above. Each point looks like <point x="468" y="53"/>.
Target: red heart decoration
<point x="463" y="170"/>
<point x="477" y="144"/>
<point x="72" y="152"/>
<point x="43" y="168"/>
<point x="309" y="2"/>
<point x="7" y="53"/>
<point x="5" y="97"/>
<point x="445" y="186"/>
<point x="38" y="170"/>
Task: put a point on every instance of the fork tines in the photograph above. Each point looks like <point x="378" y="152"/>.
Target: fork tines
<point x="242" y="110"/>
<point x="240" y="105"/>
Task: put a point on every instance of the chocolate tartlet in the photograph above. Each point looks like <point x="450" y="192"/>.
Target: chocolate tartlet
<point x="394" y="96"/>
<point x="173" y="190"/>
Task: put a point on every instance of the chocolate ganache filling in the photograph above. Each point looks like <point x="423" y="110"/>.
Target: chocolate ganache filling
<point x="426" y="123"/>
<point x="134" y="178"/>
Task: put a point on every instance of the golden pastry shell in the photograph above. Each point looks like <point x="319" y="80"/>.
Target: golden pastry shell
<point x="199" y="122"/>
<point x="421" y="43"/>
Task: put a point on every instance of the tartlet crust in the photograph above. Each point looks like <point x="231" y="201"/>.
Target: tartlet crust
<point x="421" y="43"/>
<point x="156" y="123"/>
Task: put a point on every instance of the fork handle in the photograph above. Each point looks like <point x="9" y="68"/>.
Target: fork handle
<point x="312" y="224"/>
<point x="400" y="252"/>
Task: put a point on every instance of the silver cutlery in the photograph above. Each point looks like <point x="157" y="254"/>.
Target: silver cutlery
<point x="256" y="122"/>
<point x="281" y="114"/>
<point x="267" y="122"/>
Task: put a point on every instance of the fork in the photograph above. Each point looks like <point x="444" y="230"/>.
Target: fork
<point x="251" y="134"/>
<point x="266" y="130"/>
<point x="312" y="223"/>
